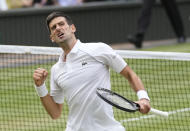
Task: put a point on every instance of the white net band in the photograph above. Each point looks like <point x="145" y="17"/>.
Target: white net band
<point x="123" y="53"/>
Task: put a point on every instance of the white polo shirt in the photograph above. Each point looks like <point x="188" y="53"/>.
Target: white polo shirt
<point x="86" y="68"/>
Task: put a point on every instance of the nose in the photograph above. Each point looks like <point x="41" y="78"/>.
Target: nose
<point x="58" y="27"/>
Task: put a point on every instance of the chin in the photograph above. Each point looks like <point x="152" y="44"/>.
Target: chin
<point x="60" y="41"/>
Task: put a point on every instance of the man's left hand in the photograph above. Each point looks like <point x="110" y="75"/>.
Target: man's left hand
<point x="144" y="105"/>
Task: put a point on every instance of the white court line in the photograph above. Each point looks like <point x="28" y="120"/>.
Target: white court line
<point x="150" y="116"/>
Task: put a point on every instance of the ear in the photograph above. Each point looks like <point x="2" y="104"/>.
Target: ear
<point x="73" y="28"/>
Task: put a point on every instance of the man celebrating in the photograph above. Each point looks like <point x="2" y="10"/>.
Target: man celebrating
<point x="81" y="69"/>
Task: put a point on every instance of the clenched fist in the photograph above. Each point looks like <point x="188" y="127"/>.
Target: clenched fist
<point x="40" y="76"/>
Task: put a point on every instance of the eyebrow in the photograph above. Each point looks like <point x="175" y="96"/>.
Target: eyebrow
<point x="52" y="27"/>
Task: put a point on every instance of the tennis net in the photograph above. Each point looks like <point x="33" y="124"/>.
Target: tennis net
<point x="166" y="77"/>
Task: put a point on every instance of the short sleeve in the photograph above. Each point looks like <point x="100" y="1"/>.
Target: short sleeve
<point x="55" y="91"/>
<point x="108" y="56"/>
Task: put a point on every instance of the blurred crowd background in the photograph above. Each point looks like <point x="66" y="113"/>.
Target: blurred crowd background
<point x="12" y="4"/>
<point x="111" y="21"/>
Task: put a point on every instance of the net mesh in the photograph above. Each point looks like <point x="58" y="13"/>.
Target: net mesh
<point x="166" y="77"/>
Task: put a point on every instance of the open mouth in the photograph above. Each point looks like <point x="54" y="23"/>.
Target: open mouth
<point x="60" y="35"/>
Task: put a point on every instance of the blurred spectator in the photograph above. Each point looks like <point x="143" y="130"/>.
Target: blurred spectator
<point x="68" y="2"/>
<point x="12" y="4"/>
<point x="94" y="0"/>
<point x="3" y="5"/>
<point x="40" y="3"/>
<point x="143" y="22"/>
<point x="107" y="0"/>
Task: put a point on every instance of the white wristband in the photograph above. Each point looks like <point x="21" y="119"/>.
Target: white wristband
<point x="142" y="94"/>
<point x="41" y="90"/>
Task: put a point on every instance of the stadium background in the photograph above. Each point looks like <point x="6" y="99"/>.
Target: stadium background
<point x="108" y="22"/>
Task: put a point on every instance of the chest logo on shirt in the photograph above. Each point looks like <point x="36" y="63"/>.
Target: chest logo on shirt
<point x="84" y="63"/>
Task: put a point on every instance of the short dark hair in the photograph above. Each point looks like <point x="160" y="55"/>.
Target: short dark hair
<point x="53" y="15"/>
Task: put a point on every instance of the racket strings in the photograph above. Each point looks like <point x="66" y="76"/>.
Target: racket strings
<point x="118" y="100"/>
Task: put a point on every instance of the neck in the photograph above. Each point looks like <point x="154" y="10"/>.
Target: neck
<point x="67" y="46"/>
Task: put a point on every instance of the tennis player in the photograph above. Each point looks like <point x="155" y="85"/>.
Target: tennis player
<point x="80" y="70"/>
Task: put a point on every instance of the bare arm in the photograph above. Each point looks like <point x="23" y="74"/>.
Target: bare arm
<point x="53" y="109"/>
<point x="133" y="79"/>
<point x="137" y="85"/>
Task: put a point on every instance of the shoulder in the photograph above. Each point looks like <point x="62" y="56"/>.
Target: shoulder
<point x="95" y="47"/>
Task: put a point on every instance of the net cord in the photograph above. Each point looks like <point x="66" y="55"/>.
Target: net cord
<point x="124" y="53"/>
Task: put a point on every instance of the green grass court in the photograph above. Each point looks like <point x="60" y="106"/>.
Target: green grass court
<point x="183" y="47"/>
<point x="168" y="84"/>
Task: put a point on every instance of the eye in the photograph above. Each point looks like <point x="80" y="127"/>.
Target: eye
<point x="53" y="27"/>
<point x="61" y="24"/>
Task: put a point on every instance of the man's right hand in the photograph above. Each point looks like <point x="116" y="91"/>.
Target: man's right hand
<point x="40" y="76"/>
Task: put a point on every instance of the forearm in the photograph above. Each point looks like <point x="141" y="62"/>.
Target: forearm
<point x="133" y="79"/>
<point x="53" y="109"/>
<point x="138" y="87"/>
<point x="136" y="83"/>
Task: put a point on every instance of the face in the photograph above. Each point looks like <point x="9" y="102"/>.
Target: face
<point x="60" y="30"/>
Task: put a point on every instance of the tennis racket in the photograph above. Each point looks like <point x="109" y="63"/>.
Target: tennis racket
<point x="123" y="103"/>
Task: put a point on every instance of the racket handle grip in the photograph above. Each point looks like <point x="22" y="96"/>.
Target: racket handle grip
<point x="158" y="112"/>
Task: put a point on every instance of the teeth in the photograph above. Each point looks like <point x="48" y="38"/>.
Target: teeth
<point x="60" y="34"/>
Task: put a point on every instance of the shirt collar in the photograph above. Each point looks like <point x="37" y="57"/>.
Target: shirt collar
<point x="75" y="48"/>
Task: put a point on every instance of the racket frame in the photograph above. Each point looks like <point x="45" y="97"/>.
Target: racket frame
<point x="133" y="104"/>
